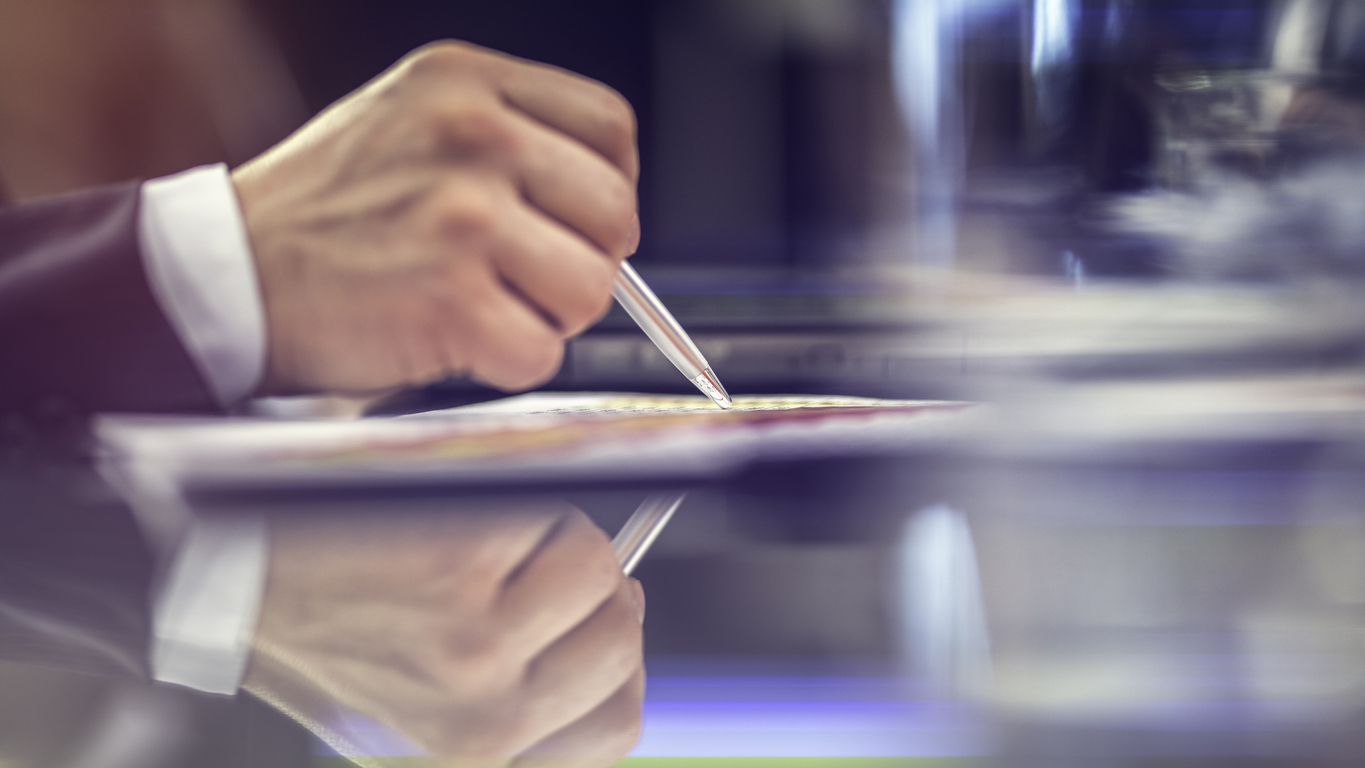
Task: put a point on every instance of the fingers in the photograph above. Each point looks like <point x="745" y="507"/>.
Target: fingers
<point x="564" y="248"/>
<point x="585" y="109"/>
<point x="577" y="187"/>
<point x="583" y="668"/>
<point x="503" y="630"/>
<point x="600" y="738"/>
<point x="556" y="272"/>
<point x="463" y="213"/>
<point x="562" y="279"/>
<point x="570" y="140"/>
<point x="557" y="246"/>
<point x="561" y="584"/>
<point x="555" y="156"/>
<point x="505" y="324"/>
<point x="511" y="345"/>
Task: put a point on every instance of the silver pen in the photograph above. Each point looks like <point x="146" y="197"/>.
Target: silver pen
<point x="658" y="323"/>
<point x="643" y="527"/>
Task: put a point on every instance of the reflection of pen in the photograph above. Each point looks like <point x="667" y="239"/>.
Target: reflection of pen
<point x="656" y="321"/>
<point x="644" y="526"/>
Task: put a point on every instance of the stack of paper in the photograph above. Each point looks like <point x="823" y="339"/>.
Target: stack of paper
<point x="544" y="436"/>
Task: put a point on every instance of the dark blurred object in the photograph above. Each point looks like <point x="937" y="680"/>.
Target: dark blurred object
<point x="1255" y="168"/>
<point x="94" y="93"/>
<point x="80" y="330"/>
<point x="75" y="577"/>
<point x="760" y="120"/>
<point x="1198" y="140"/>
<point x="74" y="571"/>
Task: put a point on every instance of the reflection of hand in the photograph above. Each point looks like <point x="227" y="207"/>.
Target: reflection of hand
<point x="481" y="637"/>
<point x="464" y="212"/>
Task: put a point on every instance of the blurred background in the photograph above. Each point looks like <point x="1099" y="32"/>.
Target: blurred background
<point x="1136" y="227"/>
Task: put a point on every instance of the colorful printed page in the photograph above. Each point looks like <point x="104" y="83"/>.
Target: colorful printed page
<point x="571" y="436"/>
<point x="618" y="403"/>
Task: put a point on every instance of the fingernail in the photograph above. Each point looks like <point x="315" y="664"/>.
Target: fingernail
<point x="634" y="236"/>
<point x="637" y="598"/>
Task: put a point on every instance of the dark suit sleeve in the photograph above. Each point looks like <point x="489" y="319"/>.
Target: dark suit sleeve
<point x="79" y="325"/>
<point x="74" y="572"/>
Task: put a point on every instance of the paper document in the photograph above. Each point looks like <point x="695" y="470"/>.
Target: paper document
<point x="619" y="403"/>
<point x="539" y="436"/>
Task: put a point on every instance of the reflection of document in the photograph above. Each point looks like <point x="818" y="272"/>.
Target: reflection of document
<point x="540" y="436"/>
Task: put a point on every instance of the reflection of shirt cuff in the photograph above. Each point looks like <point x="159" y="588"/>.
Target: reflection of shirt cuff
<point x="198" y="261"/>
<point x="205" y="617"/>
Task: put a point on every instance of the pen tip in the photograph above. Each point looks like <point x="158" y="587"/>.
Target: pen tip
<point x="711" y="386"/>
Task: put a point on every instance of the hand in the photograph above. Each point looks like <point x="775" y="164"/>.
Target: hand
<point x="463" y="213"/>
<point x="500" y="637"/>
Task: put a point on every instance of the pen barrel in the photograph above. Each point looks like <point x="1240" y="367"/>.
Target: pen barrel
<point x="635" y="537"/>
<point x="657" y="322"/>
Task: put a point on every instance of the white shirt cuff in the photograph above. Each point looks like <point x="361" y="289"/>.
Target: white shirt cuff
<point x="199" y="264"/>
<point x="205" y="616"/>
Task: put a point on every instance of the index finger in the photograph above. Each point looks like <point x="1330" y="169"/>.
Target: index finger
<point x="585" y="109"/>
<point x="560" y="585"/>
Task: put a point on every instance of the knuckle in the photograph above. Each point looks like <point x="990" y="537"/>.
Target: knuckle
<point x="485" y="664"/>
<point x="597" y="574"/>
<point x="440" y="55"/>
<point x="464" y="213"/>
<point x="474" y="128"/>
<point x="587" y="534"/>
<point x="485" y="127"/>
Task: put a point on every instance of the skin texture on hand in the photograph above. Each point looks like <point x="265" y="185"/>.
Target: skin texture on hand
<point x="490" y="637"/>
<point x="463" y="213"/>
